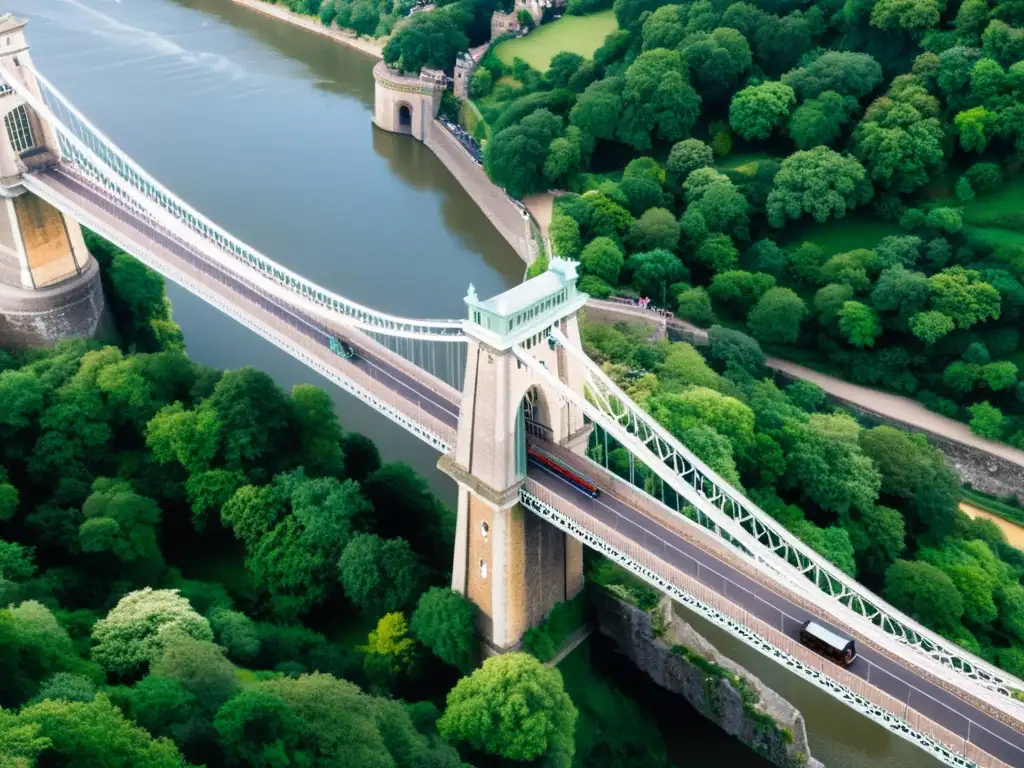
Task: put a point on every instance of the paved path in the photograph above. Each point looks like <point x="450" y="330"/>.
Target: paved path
<point x="898" y="408"/>
<point x="540" y="206"/>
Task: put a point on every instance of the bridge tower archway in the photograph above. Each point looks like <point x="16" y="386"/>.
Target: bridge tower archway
<point x="522" y="566"/>
<point x="532" y="423"/>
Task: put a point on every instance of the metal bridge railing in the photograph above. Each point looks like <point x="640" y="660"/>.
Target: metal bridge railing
<point x="787" y="559"/>
<point x="97" y="156"/>
<point x="898" y="715"/>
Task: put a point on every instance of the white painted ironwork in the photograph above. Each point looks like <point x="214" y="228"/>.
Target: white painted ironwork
<point x="776" y="553"/>
<point x="878" y="714"/>
<point x="788" y="559"/>
<point x="440" y="442"/>
<point x="98" y="158"/>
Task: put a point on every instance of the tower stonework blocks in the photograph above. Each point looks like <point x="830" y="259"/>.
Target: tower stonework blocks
<point x="50" y="286"/>
<point x="513" y="565"/>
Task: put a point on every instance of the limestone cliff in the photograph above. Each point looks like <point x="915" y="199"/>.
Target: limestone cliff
<point x="680" y="660"/>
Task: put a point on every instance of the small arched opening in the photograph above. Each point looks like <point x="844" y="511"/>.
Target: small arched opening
<point x="19" y="130"/>
<point x="533" y="422"/>
<point x="405" y="118"/>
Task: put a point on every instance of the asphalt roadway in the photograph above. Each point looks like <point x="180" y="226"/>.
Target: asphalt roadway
<point x="170" y="247"/>
<point x="905" y="684"/>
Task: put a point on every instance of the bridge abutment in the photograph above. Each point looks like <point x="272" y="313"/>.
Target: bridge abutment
<point x="406" y="103"/>
<point x="513" y="565"/>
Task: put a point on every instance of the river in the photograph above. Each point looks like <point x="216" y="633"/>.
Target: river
<point x="266" y="129"/>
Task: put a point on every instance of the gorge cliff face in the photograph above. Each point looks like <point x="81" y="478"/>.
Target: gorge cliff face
<point x="680" y="660"/>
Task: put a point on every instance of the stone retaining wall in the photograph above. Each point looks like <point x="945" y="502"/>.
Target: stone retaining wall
<point x="631" y="630"/>
<point x="510" y="220"/>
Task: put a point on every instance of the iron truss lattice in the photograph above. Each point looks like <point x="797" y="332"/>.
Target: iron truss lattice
<point x="741" y="523"/>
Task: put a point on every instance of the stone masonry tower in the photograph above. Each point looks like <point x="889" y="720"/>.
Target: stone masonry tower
<point x="512" y="564"/>
<point x="49" y="285"/>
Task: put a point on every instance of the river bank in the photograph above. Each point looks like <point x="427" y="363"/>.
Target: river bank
<point x="373" y="48"/>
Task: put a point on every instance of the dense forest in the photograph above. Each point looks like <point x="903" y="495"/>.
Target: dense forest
<point x="713" y="153"/>
<point x="201" y="568"/>
<point x="880" y="503"/>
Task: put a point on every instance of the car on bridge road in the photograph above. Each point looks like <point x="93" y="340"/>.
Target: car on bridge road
<point x="832" y="645"/>
<point x="339" y="347"/>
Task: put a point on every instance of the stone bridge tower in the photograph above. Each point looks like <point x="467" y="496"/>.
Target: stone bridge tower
<point x="512" y="564"/>
<point x="49" y="284"/>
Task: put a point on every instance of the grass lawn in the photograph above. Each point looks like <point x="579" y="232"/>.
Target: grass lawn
<point x="999" y="208"/>
<point x="994" y="218"/>
<point x="744" y="163"/>
<point x="575" y="34"/>
<point x="855" y="230"/>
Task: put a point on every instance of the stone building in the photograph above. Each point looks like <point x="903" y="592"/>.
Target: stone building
<point x="502" y="23"/>
<point x="464" y="67"/>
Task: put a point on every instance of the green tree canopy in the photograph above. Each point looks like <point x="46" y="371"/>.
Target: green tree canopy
<point x="924" y="593"/>
<point x="427" y="40"/>
<point x="818" y="182"/>
<point x="95" y="734"/>
<point x="820" y="121"/>
<point x="133" y="633"/>
<point x="859" y="324"/>
<point x="603" y="258"/>
<point x="515" y="158"/>
<point x="688" y="155"/>
<point x="514" y="707"/>
<point x="445" y="622"/>
<point x="777" y="316"/>
<point x="844" y="72"/>
<point x="380" y="575"/>
<point x="657" y="100"/>
<point x="758" y="110"/>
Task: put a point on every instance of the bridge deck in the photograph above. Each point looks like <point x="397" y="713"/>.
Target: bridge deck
<point x="375" y="369"/>
<point x="426" y="408"/>
<point x="688" y="550"/>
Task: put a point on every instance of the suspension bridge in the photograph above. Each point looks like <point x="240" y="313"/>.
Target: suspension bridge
<point x="512" y="372"/>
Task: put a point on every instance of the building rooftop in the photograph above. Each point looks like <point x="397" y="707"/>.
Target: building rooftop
<point x="10" y="22"/>
<point x="560" y="274"/>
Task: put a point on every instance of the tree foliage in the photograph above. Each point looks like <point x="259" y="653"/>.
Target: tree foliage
<point x="514" y="707"/>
